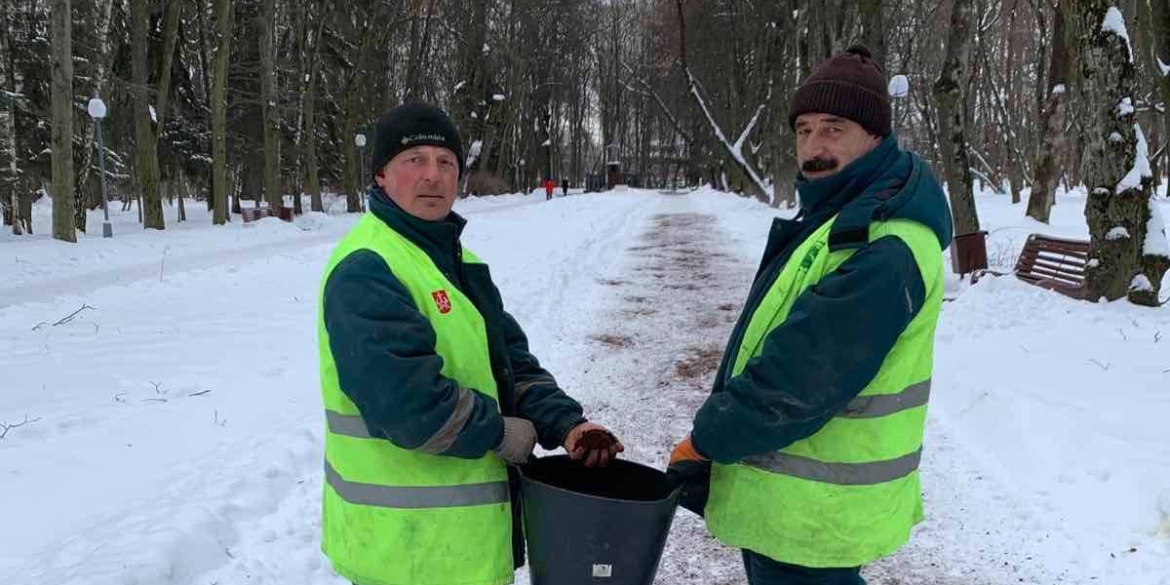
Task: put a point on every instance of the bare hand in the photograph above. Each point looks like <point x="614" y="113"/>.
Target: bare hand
<point x="592" y="444"/>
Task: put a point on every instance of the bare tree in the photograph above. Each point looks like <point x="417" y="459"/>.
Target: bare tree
<point x="266" y="24"/>
<point x="1052" y="124"/>
<point x="62" y="120"/>
<point x="9" y="169"/>
<point x="734" y="150"/>
<point x="951" y="112"/>
<point x="873" y="25"/>
<point x="313" y="25"/>
<point x="149" y="118"/>
<point x="223" y="32"/>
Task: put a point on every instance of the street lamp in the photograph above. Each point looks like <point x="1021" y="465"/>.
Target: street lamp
<point x="97" y="111"/>
<point x="360" y="141"/>
<point x="899" y="87"/>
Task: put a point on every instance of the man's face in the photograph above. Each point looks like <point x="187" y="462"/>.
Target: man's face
<point x="422" y="181"/>
<point x="826" y="144"/>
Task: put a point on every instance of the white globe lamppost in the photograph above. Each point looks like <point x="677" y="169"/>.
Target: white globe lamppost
<point x="97" y="111"/>
<point x="360" y="141"/>
<point x="899" y="88"/>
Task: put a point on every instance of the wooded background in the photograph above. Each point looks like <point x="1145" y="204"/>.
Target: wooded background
<point x="220" y="100"/>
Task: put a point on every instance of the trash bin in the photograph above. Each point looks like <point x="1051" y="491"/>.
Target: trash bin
<point x="593" y="526"/>
<point x="969" y="253"/>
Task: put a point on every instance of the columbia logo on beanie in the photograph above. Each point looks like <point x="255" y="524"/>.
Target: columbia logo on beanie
<point x="417" y="138"/>
<point x="410" y="125"/>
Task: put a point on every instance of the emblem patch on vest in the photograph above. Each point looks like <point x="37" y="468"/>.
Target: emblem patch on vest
<point x="442" y="301"/>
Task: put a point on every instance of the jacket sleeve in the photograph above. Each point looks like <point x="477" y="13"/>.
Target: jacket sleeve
<point x="822" y="356"/>
<point x="538" y="397"/>
<point x="384" y="349"/>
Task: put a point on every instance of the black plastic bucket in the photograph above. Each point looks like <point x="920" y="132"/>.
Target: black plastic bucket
<point x="595" y="525"/>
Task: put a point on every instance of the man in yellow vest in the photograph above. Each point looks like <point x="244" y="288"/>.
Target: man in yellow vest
<point x="429" y="388"/>
<point x="810" y="441"/>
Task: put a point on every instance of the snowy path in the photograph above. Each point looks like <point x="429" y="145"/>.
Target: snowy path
<point x="177" y="417"/>
<point x="178" y="427"/>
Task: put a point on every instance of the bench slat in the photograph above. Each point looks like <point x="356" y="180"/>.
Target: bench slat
<point x="1069" y="267"/>
<point x="1054" y="263"/>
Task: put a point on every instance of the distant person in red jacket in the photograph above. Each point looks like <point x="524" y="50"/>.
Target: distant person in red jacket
<point x="549" y="185"/>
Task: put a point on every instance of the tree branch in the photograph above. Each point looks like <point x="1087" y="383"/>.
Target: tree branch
<point x="5" y="427"/>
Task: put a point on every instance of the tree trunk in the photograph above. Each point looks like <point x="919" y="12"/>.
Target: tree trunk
<point x="472" y="105"/>
<point x="1160" y="25"/>
<point x="874" y="30"/>
<point x="313" y="180"/>
<point x="420" y="38"/>
<point x="308" y="39"/>
<point x="144" y="116"/>
<point x="952" y="134"/>
<point x="61" y="42"/>
<point x="205" y="74"/>
<point x="267" y="25"/>
<point x="171" y="20"/>
<point x="9" y="169"/>
<point x="1052" y="141"/>
<point x="182" y="212"/>
<point x="1116" y="170"/>
<point x="350" y="181"/>
<point x="219" y="189"/>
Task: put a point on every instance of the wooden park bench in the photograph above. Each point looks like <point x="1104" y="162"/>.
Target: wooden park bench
<point x="251" y="214"/>
<point x="1053" y="263"/>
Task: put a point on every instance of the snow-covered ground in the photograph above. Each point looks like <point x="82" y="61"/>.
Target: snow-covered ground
<point x="175" y="426"/>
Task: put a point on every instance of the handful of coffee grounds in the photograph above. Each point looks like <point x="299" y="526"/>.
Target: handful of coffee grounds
<point x="596" y="439"/>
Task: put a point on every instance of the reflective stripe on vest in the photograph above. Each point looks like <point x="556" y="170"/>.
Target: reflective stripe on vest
<point x="347" y="425"/>
<point x="876" y="405"/>
<point x="413" y="497"/>
<point x="871" y="473"/>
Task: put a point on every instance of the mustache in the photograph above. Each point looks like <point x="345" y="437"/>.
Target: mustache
<point x="817" y="165"/>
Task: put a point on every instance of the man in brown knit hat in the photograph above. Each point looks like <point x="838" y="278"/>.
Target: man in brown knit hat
<point x="806" y="453"/>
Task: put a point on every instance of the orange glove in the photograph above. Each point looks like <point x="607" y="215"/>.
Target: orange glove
<point x="685" y="451"/>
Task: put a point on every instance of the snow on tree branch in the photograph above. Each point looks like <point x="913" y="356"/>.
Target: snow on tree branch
<point x="748" y="129"/>
<point x="473" y="153"/>
<point x="735" y="150"/>
<point x="1141" y="165"/>
<point x="1115" y="23"/>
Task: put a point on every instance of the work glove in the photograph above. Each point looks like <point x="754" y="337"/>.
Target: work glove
<point x="519" y="439"/>
<point x="592" y="444"/>
<point x="689" y="469"/>
<point x="685" y="451"/>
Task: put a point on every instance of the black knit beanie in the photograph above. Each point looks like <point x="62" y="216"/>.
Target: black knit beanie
<point x="414" y="124"/>
<point x="851" y="85"/>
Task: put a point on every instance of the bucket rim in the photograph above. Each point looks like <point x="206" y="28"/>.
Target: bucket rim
<point x="673" y="494"/>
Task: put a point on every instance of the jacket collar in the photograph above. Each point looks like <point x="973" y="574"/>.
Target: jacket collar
<point x="439" y="239"/>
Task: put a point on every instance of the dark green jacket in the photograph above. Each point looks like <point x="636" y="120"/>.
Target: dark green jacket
<point x="384" y="348"/>
<point x="838" y="331"/>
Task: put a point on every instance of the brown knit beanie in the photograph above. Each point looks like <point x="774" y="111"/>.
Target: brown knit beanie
<point x="851" y="85"/>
